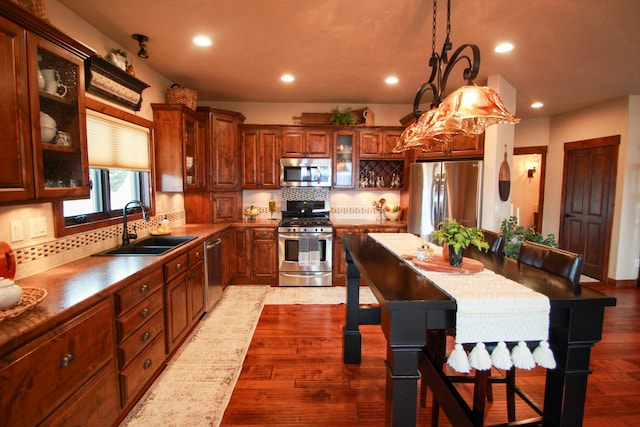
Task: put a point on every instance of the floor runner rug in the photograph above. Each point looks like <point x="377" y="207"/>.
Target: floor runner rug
<point x="195" y="387"/>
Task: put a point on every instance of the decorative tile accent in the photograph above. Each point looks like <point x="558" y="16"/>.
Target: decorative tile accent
<point x="305" y="193"/>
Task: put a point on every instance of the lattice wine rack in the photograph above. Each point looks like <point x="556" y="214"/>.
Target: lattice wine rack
<point x="370" y="172"/>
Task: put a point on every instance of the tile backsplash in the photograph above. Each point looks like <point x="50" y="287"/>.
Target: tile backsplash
<point x="40" y="257"/>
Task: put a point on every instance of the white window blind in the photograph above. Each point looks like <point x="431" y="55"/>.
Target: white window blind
<point x="116" y="144"/>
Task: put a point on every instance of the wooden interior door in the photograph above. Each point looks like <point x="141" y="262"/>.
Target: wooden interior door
<point x="588" y="191"/>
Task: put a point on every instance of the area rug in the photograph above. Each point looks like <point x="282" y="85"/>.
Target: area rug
<point x="196" y="386"/>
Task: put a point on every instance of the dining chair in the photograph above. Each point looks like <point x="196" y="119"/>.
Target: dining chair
<point x="496" y="241"/>
<point x="559" y="262"/>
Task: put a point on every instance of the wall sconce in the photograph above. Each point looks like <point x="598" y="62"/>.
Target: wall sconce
<point x="531" y="171"/>
<point x="142" y="42"/>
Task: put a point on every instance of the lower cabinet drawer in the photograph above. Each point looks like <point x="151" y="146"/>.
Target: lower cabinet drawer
<point x="37" y="378"/>
<point x="95" y="404"/>
<point x="131" y="321"/>
<point x="140" y="339"/>
<point x="141" y="369"/>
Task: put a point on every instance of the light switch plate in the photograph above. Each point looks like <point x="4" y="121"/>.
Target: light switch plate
<point x="17" y="234"/>
<point x="38" y="227"/>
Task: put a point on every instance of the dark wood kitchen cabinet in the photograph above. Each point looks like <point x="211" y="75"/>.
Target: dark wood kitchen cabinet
<point x="184" y="295"/>
<point x="306" y="142"/>
<point x="179" y="148"/>
<point x="58" y="372"/>
<point x="469" y="147"/>
<point x="43" y="110"/>
<point x="265" y="255"/>
<point x="260" y="157"/>
<point x="379" y="144"/>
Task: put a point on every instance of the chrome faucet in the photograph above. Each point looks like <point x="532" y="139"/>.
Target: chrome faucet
<point x="126" y="236"/>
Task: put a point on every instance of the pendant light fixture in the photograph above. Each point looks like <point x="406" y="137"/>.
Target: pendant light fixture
<point x="142" y="44"/>
<point x="469" y="110"/>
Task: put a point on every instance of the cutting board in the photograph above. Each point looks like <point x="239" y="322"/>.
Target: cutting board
<point x="469" y="266"/>
<point x="7" y="261"/>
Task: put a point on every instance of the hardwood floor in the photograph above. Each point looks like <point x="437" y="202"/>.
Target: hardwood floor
<point x="293" y="373"/>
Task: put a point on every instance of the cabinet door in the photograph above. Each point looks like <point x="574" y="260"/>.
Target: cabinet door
<point x="249" y="149"/>
<point x="339" y="260"/>
<point x="196" y="291"/>
<point x="265" y="254"/>
<point x="369" y="143"/>
<point x="390" y="140"/>
<point x="343" y="166"/>
<point x="293" y="143"/>
<point x="59" y="131"/>
<point x="269" y="159"/>
<point x="16" y="162"/>
<point x="193" y="136"/>
<point x="226" y="207"/>
<point x="225" y="153"/>
<point x="318" y="143"/>
<point x="241" y="253"/>
<point x="177" y="309"/>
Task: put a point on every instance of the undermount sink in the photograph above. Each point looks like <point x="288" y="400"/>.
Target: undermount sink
<point x="151" y="246"/>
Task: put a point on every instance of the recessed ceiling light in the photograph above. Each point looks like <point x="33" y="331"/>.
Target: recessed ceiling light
<point x="504" y="48"/>
<point x="202" y="40"/>
<point x="288" y="78"/>
<point x="391" y="80"/>
<point x="537" y="105"/>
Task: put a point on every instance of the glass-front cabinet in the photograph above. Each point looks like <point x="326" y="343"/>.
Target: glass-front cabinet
<point x="344" y="171"/>
<point x="59" y="140"/>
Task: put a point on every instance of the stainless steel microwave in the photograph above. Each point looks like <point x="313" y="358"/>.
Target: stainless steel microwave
<point x="305" y="172"/>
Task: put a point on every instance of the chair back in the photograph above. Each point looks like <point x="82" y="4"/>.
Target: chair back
<point x="553" y="260"/>
<point x="496" y="241"/>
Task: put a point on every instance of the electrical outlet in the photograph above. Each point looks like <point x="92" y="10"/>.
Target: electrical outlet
<point x="38" y="227"/>
<point x="17" y="234"/>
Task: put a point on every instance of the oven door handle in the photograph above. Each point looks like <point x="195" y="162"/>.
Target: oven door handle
<point x="305" y="234"/>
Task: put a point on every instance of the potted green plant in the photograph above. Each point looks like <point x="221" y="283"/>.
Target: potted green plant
<point x="345" y="117"/>
<point x="516" y="234"/>
<point x="457" y="238"/>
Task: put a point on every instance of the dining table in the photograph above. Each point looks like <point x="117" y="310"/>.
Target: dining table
<point x="409" y="304"/>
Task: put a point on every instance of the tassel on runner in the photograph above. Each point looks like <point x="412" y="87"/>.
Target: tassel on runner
<point x="543" y="356"/>
<point x="500" y="357"/>
<point x="521" y="356"/>
<point x="458" y="360"/>
<point x="479" y="357"/>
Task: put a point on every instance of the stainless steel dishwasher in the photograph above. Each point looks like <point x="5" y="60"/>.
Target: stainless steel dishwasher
<point x="213" y="270"/>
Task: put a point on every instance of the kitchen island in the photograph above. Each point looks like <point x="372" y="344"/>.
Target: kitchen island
<point x="409" y="304"/>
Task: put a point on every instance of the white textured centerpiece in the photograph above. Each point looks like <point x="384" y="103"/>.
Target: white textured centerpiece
<point x="490" y="309"/>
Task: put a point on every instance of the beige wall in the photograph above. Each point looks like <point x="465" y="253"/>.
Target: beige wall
<point x="611" y="118"/>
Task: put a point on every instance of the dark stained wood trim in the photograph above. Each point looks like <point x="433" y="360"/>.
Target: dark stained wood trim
<point x="542" y="150"/>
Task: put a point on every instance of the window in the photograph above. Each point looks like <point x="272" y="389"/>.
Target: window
<point x="119" y="170"/>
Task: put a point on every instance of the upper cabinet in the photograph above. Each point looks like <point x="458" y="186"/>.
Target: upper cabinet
<point x="306" y="142"/>
<point x="260" y="157"/>
<point x="43" y="110"/>
<point x="344" y="143"/>
<point x="222" y="150"/>
<point x="379" y="144"/>
<point x="179" y="148"/>
<point x="461" y="146"/>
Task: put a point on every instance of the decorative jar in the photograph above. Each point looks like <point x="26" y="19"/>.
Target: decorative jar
<point x="10" y="294"/>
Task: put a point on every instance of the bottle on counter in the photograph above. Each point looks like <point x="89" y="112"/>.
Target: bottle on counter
<point x="272" y="205"/>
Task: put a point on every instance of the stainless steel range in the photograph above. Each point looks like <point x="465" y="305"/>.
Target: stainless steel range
<point x="305" y="244"/>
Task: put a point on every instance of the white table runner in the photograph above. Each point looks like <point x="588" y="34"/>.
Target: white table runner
<point x="490" y="309"/>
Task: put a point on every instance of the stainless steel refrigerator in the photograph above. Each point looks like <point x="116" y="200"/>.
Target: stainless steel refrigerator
<point x="439" y="190"/>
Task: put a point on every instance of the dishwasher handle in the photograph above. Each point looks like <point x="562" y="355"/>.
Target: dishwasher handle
<point x="211" y="245"/>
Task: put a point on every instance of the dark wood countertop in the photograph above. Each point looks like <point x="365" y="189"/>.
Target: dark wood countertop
<point x="367" y="222"/>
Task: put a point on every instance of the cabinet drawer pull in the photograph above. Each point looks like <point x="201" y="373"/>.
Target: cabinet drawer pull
<point x="264" y="233"/>
<point x="147" y="364"/>
<point x="144" y="288"/>
<point x="144" y="313"/>
<point x="67" y="359"/>
<point x="178" y="266"/>
<point x="146" y="336"/>
<point x="198" y="254"/>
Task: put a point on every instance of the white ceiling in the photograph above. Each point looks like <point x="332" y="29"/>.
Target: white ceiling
<point x="568" y="53"/>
